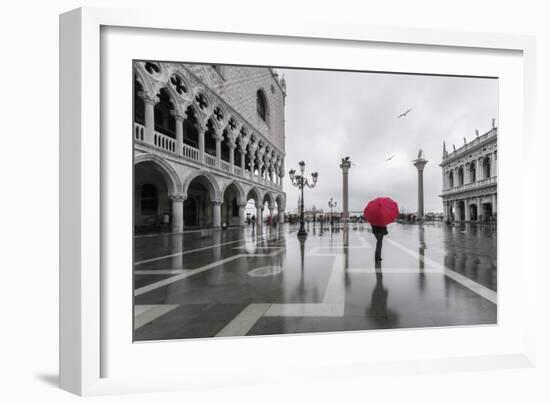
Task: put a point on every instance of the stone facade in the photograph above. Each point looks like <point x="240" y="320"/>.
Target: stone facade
<point x="470" y="180"/>
<point x="207" y="138"/>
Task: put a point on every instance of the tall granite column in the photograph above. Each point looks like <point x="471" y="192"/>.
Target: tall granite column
<point x="345" y="165"/>
<point x="420" y="163"/>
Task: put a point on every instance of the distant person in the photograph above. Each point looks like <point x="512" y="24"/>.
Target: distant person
<point x="253" y="220"/>
<point x="379" y="233"/>
<point x="165" y="222"/>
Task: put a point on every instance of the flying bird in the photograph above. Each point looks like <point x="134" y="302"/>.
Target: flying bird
<point x="389" y="158"/>
<point x="404" y="113"/>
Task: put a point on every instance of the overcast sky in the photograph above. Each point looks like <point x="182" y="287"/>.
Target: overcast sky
<point x="330" y="115"/>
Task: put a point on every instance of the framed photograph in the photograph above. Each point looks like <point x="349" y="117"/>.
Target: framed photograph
<point x="252" y="201"/>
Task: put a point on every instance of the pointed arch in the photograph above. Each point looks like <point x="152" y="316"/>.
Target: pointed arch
<point x="209" y="181"/>
<point x="269" y="198"/>
<point x="143" y="76"/>
<point x="255" y="194"/>
<point x="240" y="191"/>
<point x="168" y="172"/>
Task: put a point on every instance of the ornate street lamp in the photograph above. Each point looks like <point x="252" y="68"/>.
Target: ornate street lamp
<point x="331" y="204"/>
<point x="300" y="182"/>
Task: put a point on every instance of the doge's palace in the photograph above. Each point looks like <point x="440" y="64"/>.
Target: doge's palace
<point x="207" y="139"/>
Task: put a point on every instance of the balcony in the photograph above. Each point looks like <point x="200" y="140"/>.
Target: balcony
<point x="470" y="186"/>
<point x="188" y="153"/>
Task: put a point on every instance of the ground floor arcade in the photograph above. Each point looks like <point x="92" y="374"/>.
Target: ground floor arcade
<point x="170" y="198"/>
<point x="481" y="208"/>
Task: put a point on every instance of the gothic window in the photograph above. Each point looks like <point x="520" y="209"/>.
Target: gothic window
<point x="190" y="132"/>
<point x="261" y="105"/>
<point x="164" y="121"/>
<point x="139" y="105"/>
<point x="149" y="200"/>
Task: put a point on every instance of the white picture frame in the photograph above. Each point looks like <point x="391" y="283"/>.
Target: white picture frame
<point x="86" y="172"/>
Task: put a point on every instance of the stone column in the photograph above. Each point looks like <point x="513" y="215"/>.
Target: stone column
<point x="218" y="139"/>
<point x="259" y="215"/>
<point x="150" y="103"/>
<point x="445" y="211"/>
<point x="217" y="214"/>
<point x="242" y="216"/>
<point x="201" y="128"/>
<point x="345" y="165"/>
<point x="494" y="164"/>
<point x="478" y="206"/>
<point x="232" y="146"/>
<point x="260" y="158"/>
<point x="271" y="210"/>
<point x="456" y="212"/>
<point x="494" y="203"/>
<point x="177" y="212"/>
<point x="242" y="147"/>
<point x="179" y="132"/>
<point x="252" y="160"/>
<point x="420" y="163"/>
<point x="467" y="210"/>
<point x="281" y="215"/>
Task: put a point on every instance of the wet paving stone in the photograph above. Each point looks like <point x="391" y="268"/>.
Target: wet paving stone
<point x="271" y="282"/>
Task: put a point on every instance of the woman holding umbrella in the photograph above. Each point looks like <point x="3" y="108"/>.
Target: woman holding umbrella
<point x="379" y="213"/>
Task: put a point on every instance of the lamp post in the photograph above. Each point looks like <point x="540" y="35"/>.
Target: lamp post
<point x="300" y="182"/>
<point x="331" y="203"/>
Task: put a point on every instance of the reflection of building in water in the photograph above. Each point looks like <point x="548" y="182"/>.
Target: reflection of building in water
<point x="471" y="251"/>
<point x="470" y="179"/>
<point x="207" y="139"/>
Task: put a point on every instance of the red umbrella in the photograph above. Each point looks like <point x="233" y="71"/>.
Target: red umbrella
<point x="381" y="211"/>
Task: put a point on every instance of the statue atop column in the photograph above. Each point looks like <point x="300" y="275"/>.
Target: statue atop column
<point x="345" y="165"/>
<point x="420" y="162"/>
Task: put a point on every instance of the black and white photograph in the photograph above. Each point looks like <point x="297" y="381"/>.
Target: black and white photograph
<point x="272" y="200"/>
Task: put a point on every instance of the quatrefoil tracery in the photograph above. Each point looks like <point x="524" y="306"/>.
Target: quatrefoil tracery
<point x="152" y="68"/>
<point x="178" y="85"/>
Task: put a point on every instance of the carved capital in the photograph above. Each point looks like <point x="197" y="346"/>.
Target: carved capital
<point x="252" y="148"/>
<point x="149" y="99"/>
<point x="178" y="197"/>
<point x="178" y="115"/>
<point x="201" y="127"/>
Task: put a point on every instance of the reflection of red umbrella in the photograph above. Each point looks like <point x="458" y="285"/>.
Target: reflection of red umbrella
<point x="381" y="211"/>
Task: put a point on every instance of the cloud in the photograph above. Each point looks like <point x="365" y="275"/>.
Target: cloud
<point x="330" y="115"/>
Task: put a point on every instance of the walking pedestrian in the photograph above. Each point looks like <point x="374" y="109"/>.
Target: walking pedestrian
<point x="379" y="233"/>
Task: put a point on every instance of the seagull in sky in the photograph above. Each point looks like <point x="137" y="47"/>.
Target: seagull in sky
<point x="389" y="158"/>
<point x="404" y="113"/>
